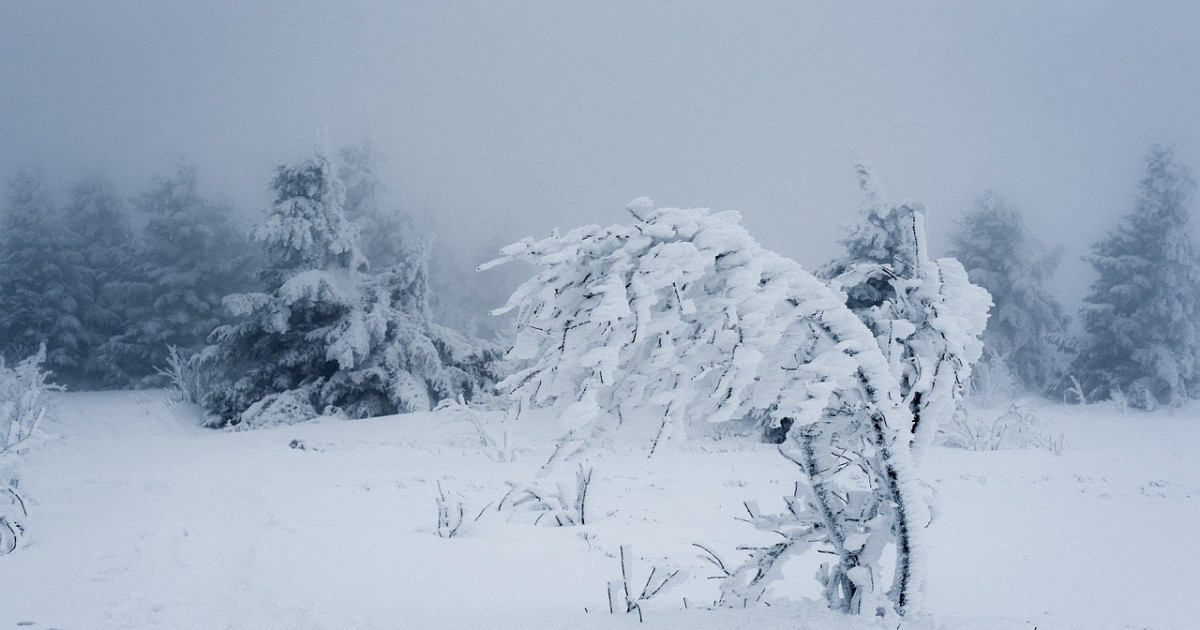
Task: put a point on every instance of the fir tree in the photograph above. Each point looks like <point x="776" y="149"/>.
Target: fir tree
<point x="1026" y="327"/>
<point x="1140" y="319"/>
<point x="384" y="231"/>
<point x="98" y="223"/>
<point x="325" y="336"/>
<point x="45" y="288"/>
<point x="189" y="257"/>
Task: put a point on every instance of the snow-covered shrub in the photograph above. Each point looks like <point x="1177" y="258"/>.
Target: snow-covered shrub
<point x="627" y="594"/>
<point x="993" y="380"/>
<point x="991" y="429"/>
<point x="682" y="313"/>
<point x="563" y="505"/>
<point x="496" y="447"/>
<point x="926" y="314"/>
<point x="23" y="390"/>
<point x="1142" y="318"/>
<point x="189" y="376"/>
<point x="747" y="583"/>
<point x="12" y="518"/>
<point x="450" y="514"/>
<point x="326" y="333"/>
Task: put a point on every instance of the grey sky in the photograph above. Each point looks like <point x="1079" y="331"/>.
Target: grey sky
<point x="510" y="119"/>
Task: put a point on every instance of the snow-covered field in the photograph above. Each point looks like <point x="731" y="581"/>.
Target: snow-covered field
<point x="139" y="518"/>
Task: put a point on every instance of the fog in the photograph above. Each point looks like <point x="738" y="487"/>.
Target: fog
<point x="501" y="120"/>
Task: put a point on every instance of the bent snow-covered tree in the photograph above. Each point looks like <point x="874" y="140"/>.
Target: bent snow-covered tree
<point x="326" y="335"/>
<point x="682" y="312"/>
<point x="926" y="314"/>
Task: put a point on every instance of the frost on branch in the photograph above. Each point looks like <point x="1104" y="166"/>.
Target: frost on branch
<point x="926" y="314"/>
<point x="683" y="313"/>
<point x="23" y="403"/>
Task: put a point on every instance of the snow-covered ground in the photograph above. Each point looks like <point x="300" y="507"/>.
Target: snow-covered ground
<point x="139" y="518"/>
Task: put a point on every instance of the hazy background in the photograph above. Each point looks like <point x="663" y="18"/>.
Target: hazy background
<point x="501" y="120"/>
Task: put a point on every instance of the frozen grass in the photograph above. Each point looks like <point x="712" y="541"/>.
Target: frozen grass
<point x="140" y="519"/>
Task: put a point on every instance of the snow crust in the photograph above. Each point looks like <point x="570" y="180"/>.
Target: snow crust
<point x="139" y="519"/>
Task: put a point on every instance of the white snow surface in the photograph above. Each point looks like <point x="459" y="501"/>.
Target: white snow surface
<point x="141" y="519"/>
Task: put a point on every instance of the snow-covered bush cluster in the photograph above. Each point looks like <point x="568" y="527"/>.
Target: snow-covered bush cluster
<point x="23" y="402"/>
<point x="23" y="390"/>
<point x="682" y="312"/>
<point x="326" y="335"/>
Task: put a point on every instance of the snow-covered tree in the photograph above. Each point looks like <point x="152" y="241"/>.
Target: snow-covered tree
<point x="1140" y="319"/>
<point x="45" y="287"/>
<point x="325" y="336"/>
<point x="385" y="232"/>
<point x="189" y="257"/>
<point x="1026" y="329"/>
<point x="684" y="315"/>
<point x="98" y="221"/>
<point x="926" y="314"/>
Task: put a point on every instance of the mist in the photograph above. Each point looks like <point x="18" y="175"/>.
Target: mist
<point x="504" y="121"/>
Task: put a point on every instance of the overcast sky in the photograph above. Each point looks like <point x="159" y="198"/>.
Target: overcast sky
<point x="507" y="119"/>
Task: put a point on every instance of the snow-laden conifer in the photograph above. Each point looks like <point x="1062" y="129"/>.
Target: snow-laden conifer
<point x="188" y="258"/>
<point x="325" y="336"/>
<point x="97" y="220"/>
<point x="683" y="314"/>
<point x="45" y="286"/>
<point x="1140" y="319"/>
<point x="1026" y="328"/>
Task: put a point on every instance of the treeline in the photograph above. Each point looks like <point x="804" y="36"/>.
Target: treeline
<point x="1138" y="334"/>
<point x="106" y="298"/>
<point x="327" y="304"/>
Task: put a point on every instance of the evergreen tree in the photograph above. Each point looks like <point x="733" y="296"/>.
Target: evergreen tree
<point x="1140" y="319"/>
<point x="1026" y="327"/>
<point x="98" y="223"/>
<point x="188" y="258"/>
<point x="325" y="335"/>
<point x="384" y="231"/>
<point x="45" y="287"/>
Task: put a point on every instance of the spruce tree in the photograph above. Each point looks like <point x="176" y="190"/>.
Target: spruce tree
<point x="98" y="223"/>
<point x="189" y="257"/>
<point x="44" y="285"/>
<point x="1140" y="318"/>
<point x="1026" y="327"/>
<point x="325" y="336"/>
